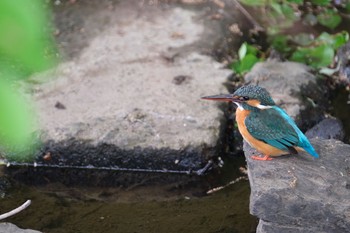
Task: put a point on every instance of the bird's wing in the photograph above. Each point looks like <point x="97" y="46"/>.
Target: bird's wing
<point x="271" y="127"/>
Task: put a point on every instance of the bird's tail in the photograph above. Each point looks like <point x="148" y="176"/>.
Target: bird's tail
<point x="306" y="145"/>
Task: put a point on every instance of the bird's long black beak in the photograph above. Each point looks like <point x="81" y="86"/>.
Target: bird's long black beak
<point x="221" y="97"/>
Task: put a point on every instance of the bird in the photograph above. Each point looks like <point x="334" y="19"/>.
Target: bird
<point x="264" y="125"/>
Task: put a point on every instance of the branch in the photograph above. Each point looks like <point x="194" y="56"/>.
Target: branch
<point x="15" y="211"/>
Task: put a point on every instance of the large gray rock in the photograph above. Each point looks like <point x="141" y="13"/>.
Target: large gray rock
<point x="293" y="87"/>
<point x="6" y="227"/>
<point x="298" y="193"/>
<point x="133" y="89"/>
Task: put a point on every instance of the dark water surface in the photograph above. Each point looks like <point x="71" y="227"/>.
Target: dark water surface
<point x="141" y="208"/>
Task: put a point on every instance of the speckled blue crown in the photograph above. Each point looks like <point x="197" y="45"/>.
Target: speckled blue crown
<point x="255" y="92"/>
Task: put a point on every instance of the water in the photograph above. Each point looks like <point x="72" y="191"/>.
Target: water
<point x="341" y="109"/>
<point x="138" y="208"/>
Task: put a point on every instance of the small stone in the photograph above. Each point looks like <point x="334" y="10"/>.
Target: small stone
<point x="329" y="128"/>
<point x="59" y="105"/>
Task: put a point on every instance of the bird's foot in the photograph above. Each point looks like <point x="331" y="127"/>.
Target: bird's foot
<point x="265" y="158"/>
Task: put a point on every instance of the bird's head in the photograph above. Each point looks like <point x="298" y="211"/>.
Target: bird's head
<point x="247" y="97"/>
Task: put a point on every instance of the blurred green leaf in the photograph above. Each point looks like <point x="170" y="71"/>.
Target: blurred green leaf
<point x="248" y="62"/>
<point x="347" y="7"/>
<point x="316" y="57"/>
<point x="281" y="15"/>
<point x="280" y="43"/>
<point x="299" y="2"/>
<point x="340" y="39"/>
<point x="252" y="49"/>
<point x="321" y="56"/>
<point x="329" y="18"/>
<point x="25" y="36"/>
<point x="254" y="2"/>
<point x="335" y="41"/>
<point x="321" y="2"/>
<point x="26" y="47"/>
<point x="16" y="124"/>
<point x="245" y="64"/>
<point x="277" y="7"/>
<point x="288" y="12"/>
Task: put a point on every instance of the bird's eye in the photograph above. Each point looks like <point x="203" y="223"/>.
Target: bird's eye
<point x="244" y="98"/>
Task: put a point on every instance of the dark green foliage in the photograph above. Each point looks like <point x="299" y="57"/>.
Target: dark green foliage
<point x="303" y="47"/>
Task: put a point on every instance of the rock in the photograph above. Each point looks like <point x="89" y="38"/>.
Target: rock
<point x="329" y="128"/>
<point x="293" y="87"/>
<point x="298" y="193"/>
<point x="128" y="96"/>
<point x="6" y="227"/>
<point x="343" y="58"/>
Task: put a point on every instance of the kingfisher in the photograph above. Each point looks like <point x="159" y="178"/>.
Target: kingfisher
<point x="264" y="125"/>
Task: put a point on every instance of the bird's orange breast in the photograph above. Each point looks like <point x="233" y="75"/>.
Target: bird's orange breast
<point x="266" y="149"/>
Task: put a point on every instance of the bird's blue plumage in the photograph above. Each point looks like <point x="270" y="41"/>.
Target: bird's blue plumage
<point x="277" y="129"/>
<point x="303" y="141"/>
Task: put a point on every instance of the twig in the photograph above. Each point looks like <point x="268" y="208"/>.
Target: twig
<point x="15" y="211"/>
<point x="213" y="190"/>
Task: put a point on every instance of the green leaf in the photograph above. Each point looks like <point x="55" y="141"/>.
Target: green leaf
<point x="16" y="124"/>
<point x="252" y="50"/>
<point x="242" y="50"/>
<point x="329" y="18"/>
<point x="288" y="12"/>
<point x="248" y="62"/>
<point x="280" y="43"/>
<point x="335" y="41"/>
<point x="347" y="7"/>
<point x="245" y="64"/>
<point x="321" y="2"/>
<point x="316" y="57"/>
<point x="26" y="47"/>
<point x="299" y="2"/>
<point x="321" y="56"/>
<point x="340" y="39"/>
<point x="277" y="7"/>
<point x="236" y="67"/>
<point x="254" y="2"/>
<point x="25" y="36"/>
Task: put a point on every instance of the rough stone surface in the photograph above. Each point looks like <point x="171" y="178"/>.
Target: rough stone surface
<point x="329" y="128"/>
<point x="11" y="228"/>
<point x="298" y="193"/>
<point x="293" y="87"/>
<point x="135" y="82"/>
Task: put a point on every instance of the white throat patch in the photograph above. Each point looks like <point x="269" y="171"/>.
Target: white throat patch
<point x="263" y="106"/>
<point x="239" y="106"/>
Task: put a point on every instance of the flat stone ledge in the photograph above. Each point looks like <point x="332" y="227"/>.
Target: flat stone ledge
<point x="133" y="87"/>
<point x="296" y="193"/>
